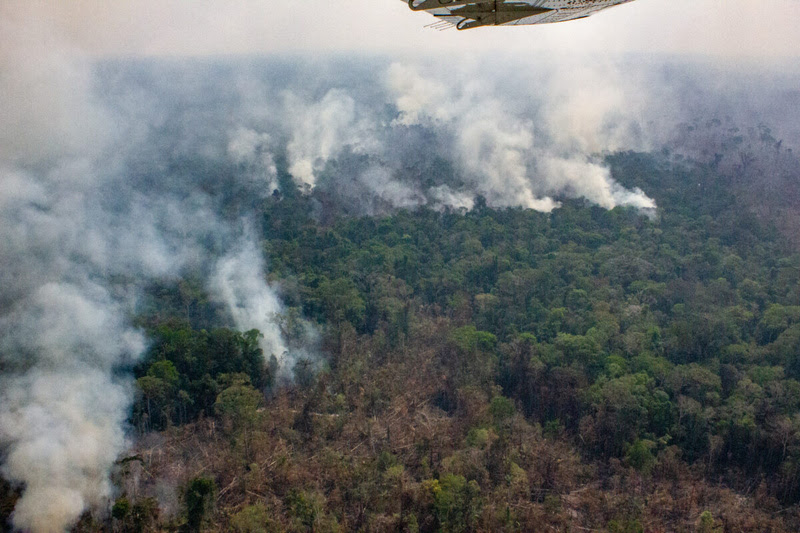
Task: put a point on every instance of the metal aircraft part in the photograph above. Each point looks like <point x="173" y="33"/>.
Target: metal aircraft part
<point x="467" y="14"/>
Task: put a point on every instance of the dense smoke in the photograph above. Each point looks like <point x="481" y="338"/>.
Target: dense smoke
<point x="61" y="331"/>
<point x="99" y="197"/>
<point x="238" y="281"/>
<point x="460" y="118"/>
<point x="115" y="174"/>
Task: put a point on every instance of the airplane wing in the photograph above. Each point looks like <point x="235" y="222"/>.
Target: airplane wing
<point x="467" y="14"/>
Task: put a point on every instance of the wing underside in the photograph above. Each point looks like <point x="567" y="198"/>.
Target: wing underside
<point x="468" y="14"/>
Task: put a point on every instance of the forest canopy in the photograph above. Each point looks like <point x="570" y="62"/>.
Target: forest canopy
<point x="489" y="369"/>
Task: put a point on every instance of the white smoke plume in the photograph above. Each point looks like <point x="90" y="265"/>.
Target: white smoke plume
<point x="92" y="207"/>
<point x="389" y="190"/>
<point x="418" y="98"/>
<point x="496" y="148"/>
<point x="595" y="181"/>
<point x="320" y="131"/>
<point x="238" y="281"/>
<point x="61" y="333"/>
<point x="253" y="151"/>
<point x="422" y="133"/>
<point x="492" y="145"/>
<point x="63" y="410"/>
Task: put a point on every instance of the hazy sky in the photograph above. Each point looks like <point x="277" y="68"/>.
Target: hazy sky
<point x="754" y="29"/>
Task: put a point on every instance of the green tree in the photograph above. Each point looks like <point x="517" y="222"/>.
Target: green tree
<point x="639" y="455"/>
<point x="254" y="519"/>
<point x="199" y="499"/>
<point x="237" y="405"/>
<point x="706" y="523"/>
<point x="457" y="503"/>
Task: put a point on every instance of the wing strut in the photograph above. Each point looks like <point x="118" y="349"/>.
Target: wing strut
<point x="425" y="5"/>
<point x="494" y="13"/>
<point x="475" y="14"/>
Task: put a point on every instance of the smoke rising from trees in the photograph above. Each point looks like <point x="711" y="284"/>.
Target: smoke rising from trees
<point x="95" y="203"/>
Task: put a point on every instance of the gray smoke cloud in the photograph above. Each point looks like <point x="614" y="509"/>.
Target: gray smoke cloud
<point x="98" y="197"/>
<point x="238" y="281"/>
<point x="252" y="151"/>
<point x="492" y="146"/>
<point x="61" y="332"/>
<point x="62" y="417"/>
<point x="320" y="131"/>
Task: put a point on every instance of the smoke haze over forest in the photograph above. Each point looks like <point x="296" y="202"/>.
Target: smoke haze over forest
<point x="116" y="173"/>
